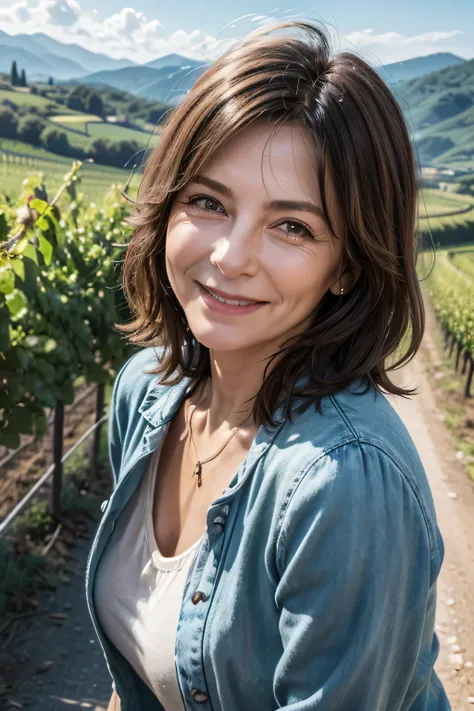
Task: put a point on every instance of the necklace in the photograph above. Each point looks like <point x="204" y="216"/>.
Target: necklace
<point x="199" y="462"/>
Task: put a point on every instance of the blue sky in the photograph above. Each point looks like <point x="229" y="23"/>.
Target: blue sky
<point x="381" y="32"/>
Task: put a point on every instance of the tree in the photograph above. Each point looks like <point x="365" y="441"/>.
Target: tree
<point x="14" y="74"/>
<point x="30" y="129"/>
<point x="55" y="141"/>
<point x="78" y="98"/>
<point x="23" y="78"/>
<point x="33" y="89"/>
<point x="8" y="123"/>
<point x="95" y="105"/>
<point x="51" y="81"/>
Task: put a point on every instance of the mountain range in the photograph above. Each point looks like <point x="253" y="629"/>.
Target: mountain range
<point x="164" y="79"/>
<point x="435" y="92"/>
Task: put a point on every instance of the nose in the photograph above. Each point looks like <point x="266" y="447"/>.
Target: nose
<point x="236" y="253"/>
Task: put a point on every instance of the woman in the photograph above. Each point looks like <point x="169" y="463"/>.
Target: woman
<point x="271" y="541"/>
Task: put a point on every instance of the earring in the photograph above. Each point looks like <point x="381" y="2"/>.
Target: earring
<point x="342" y="290"/>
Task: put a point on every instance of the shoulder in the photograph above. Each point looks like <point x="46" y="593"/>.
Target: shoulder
<point x="134" y="378"/>
<point x="356" y="458"/>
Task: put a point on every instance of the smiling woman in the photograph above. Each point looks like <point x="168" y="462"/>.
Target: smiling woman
<point x="271" y="541"/>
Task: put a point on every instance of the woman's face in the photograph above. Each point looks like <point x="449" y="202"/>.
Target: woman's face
<point x="230" y="232"/>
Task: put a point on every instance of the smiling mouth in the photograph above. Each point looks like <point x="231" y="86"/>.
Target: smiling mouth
<point x="232" y="302"/>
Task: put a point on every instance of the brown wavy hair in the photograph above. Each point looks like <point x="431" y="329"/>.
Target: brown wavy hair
<point x="360" y="136"/>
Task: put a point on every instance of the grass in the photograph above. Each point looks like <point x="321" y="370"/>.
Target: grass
<point x="435" y="202"/>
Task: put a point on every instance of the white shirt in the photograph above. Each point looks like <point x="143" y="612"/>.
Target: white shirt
<point x="138" y="593"/>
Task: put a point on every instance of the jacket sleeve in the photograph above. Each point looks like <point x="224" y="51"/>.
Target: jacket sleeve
<point x="354" y="558"/>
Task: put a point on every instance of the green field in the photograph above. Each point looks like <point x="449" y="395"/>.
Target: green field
<point x="102" y="129"/>
<point x="26" y="99"/>
<point x="435" y="202"/>
<point x="438" y="202"/>
<point x="95" y="183"/>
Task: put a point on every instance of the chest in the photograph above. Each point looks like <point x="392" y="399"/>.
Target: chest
<point x="180" y="506"/>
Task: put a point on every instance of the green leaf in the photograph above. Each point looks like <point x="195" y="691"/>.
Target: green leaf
<point x="30" y="251"/>
<point x="7" y="280"/>
<point x="39" y="422"/>
<point x="3" y="226"/>
<point x="46" y="249"/>
<point x="46" y="370"/>
<point x="39" y="205"/>
<point x="9" y="439"/>
<point x="50" y="345"/>
<point x="95" y="373"/>
<point x="19" y="268"/>
<point x="67" y="392"/>
<point x="16" y="302"/>
<point x="4" y="330"/>
<point x="21" y="420"/>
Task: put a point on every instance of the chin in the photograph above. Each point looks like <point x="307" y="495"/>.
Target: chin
<point x="217" y="340"/>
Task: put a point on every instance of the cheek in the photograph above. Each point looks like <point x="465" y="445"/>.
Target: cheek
<point x="183" y="249"/>
<point x="299" y="274"/>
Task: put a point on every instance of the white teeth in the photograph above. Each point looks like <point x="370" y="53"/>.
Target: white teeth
<point x="232" y="302"/>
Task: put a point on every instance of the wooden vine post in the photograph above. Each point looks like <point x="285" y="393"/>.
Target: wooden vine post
<point x="58" y="442"/>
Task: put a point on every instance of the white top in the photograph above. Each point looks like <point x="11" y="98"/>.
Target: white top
<point x="138" y="593"/>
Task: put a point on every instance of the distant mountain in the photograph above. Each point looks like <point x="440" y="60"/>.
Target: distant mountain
<point x="417" y="67"/>
<point x="34" y="65"/>
<point x="174" y="60"/>
<point x="91" y="61"/>
<point x="53" y="58"/>
<point x="166" y="81"/>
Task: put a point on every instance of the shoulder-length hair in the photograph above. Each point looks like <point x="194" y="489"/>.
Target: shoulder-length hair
<point x="360" y="137"/>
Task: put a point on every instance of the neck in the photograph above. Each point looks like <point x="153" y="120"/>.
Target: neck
<point x="229" y="395"/>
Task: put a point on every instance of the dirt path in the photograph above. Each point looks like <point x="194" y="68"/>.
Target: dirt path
<point x="455" y="608"/>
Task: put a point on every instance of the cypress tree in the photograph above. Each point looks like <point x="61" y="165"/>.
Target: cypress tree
<point x="23" y="78"/>
<point x="14" y="74"/>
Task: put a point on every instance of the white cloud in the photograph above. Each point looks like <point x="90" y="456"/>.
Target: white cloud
<point x="395" y="39"/>
<point x="388" y="47"/>
<point x="62" y="12"/>
<point x="130" y="33"/>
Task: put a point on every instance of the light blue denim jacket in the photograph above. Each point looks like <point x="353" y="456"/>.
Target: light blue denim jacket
<point x="317" y="573"/>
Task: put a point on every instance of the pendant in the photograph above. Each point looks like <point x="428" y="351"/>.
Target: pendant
<point x="197" y="471"/>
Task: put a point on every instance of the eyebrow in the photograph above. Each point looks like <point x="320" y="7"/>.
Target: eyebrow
<point x="273" y="205"/>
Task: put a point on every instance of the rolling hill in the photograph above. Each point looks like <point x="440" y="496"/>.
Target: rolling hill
<point x="165" y="84"/>
<point x="439" y="108"/>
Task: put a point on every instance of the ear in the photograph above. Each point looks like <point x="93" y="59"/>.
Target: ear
<point x="345" y="282"/>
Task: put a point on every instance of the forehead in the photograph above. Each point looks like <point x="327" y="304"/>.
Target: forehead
<point x="281" y="162"/>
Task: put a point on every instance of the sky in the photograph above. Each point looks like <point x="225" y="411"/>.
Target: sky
<point x="381" y="32"/>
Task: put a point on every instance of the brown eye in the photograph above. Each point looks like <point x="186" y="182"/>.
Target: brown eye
<point x="206" y="198"/>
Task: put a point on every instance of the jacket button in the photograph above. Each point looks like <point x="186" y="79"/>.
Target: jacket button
<point x="198" y="696"/>
<point x="198" y="596"/>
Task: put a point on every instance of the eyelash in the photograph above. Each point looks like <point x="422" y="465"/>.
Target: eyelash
<point x="309" y="233"/>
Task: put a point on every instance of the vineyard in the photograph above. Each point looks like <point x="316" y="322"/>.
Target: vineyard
<point x="451" y="291"/>
<point x="59" y="299"/>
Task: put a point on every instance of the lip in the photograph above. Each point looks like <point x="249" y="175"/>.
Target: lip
<point x="235" y="297"/>
<point x="227" y="309"/>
